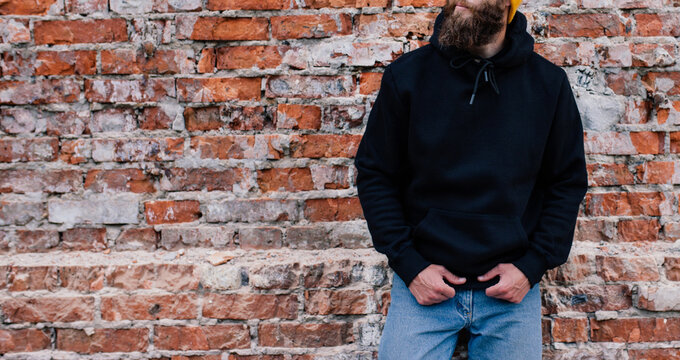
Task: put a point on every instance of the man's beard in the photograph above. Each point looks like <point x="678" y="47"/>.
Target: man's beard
<point x="476" y="28"/>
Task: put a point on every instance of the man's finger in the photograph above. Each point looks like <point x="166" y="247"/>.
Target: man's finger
<point x="452" y="278"/>
<point x="490" y="274"/>
<point x="447" y="290"/>
<point x="494" y="290"/>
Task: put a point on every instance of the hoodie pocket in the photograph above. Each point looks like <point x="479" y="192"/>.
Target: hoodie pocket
<point x="470" y="243"/>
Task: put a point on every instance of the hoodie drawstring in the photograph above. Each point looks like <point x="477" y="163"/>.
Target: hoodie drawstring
<point x="489" y="75"/>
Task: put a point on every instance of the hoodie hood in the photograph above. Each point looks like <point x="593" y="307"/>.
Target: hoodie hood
<point x="520" y="45"/>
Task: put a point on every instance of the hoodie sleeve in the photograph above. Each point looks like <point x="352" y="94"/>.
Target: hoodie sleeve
<point x="380" y="163"/>
<point x="564" y="179"/>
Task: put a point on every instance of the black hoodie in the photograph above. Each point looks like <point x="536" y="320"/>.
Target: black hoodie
<point x="469" y="162"/>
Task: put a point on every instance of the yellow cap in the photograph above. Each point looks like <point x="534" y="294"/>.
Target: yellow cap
<point x="514" y="4"/>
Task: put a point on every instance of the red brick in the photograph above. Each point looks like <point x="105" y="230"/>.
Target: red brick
<point x="165" y="6"/>
<point x="280" y="276"/>
<point x="85" y="278"/>
<point x="285" y="179"/>
<point x="79" y="62"/>
<point x="567" y="53"/>
<point x="157" y="117"/>
<point x="137" y="149"/>
<point x="80" y="31"/>
<point x="311" y="26"/>
<point x="638" y="230"/>
<point x="545" y="331"/>
<point x="324" y="145"/>
<point x="205" y="337"/>
<point x="369" y="83"/>
<point x="654" y="354"/>
<point x="67" y="123"/>
<point x="245" y="57"/>
<point x="46" y="181"/>
<point x="298" y="116"/>
<point x="570" y="330"/>
<point x="24" y="340"/>
<point x="18" y="63"/>
<point x="603" y="174"/>
<point x="655" y="172"/>
<point x="218" y="89"/>
<point x="179" y="237"/>
<point x="86" y="6"/>
<point x="577" y="268"/>
<point x="641" y="268"/>
<point x="666" y="24"/>
<point x="129" y="90"/>
<point x="667" y="82"/>
<point x="614" y="55"/>
<point x="625" y="82"/>
<point x="103" y="340"/>
<point x="35" y="7"/>
<point x="137" y="239"/>
<point x="261" y="237"/>
<point x="85" y="239"/>
<point x="206" y="64"/>
<point x="75" y="151"/>
<point x="250" y="306"/>
<point x="586" y="298"/>
<point x="170" y="212"/>
<point x="222" y="28"/>
<point x="39" y="240"/>
<point x="320" y="4"/>
<point x="32" y="278"/>
<point x="639" y="111"/>
<point x="261" y="146"/>
<point x="219" y="5"/>
<point x="672" y="266"/>
<point x="421" y="3"/>
<point x="197" y="179"/>
<point x="626" y="204"/>
<point x="286" y="334"/>
<point x="39" y="309"/>
<point x="315" y="86"/>
<point x="17" y="30"/>
<point x="41" y="91"/>
<point x="588" y="25"/>
<point x="335" y="209"/>
<point x="635" y="330"/>
<point x="648" y="55"/>
<point x="396" y="24"/>
<point x="648" y="142"/>
<point x="339" y="302"/>
<point x="328" y="274"/>
<point x="244" y="118"/>
<point x="149" y="307"/>
<point x="131" y="61"/>
<point x="119" y="180"/>
<point x="170" y="277"/>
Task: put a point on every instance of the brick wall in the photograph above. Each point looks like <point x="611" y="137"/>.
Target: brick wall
<point x="176" y="177"/>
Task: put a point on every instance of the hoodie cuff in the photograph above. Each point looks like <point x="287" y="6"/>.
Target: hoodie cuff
<point x="408" y="264"/>
<point x="532" y="264"/>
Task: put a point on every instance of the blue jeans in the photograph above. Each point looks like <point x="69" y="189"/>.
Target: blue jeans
<point x="499" y="329"/>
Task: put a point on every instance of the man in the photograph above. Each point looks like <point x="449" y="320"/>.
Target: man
<point x="470" y="173"/>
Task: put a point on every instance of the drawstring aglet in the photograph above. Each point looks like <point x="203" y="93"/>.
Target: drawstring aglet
<point x="472" y="98"/>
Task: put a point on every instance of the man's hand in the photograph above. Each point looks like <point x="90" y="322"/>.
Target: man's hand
<point x="429" y="287"/>
<point x="512" y="286"/>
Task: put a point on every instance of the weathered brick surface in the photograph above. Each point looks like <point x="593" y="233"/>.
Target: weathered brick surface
<point x="138" y="137"/>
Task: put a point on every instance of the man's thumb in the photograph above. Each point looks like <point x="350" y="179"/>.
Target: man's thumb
<point x="452" y="278"/>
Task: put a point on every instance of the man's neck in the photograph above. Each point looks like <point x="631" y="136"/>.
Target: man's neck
<point x="494" y="47"/>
